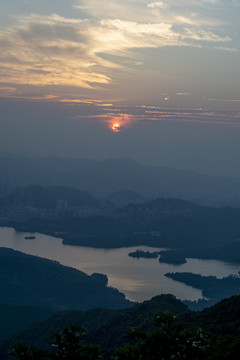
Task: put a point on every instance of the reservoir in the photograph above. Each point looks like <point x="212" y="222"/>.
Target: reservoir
<point x="138" y="279"/>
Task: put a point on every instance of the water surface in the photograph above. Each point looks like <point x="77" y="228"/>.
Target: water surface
<point x="138" y="279"/>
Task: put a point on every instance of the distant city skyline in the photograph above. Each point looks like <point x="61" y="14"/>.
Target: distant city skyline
<point x="157" y="82"/>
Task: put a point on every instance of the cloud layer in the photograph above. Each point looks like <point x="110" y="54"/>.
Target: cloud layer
<point x="103" y="37"/>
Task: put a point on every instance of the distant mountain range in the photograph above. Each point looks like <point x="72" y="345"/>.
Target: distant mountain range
<point x="102" y="178"/>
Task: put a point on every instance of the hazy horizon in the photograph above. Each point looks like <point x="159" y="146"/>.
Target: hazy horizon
<point x="157" y="82"/>
<point x="151" y="163"/>
<point x="99" y="159"/>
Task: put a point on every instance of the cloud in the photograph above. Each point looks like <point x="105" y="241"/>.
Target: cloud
<point x="183" y="93"/>
<point x="171" y="12"/>
<point x="104" y="9"/>
<point x="85" y="52"/>
<point x="128" y="117"/>
<point x="158" y="4"/>
<point x="49" y="50"/>
<point x="202" y="35"/>
<point x="7" y="91"/>
<point x="224" y="100"/>
<point x="224" y="48"/>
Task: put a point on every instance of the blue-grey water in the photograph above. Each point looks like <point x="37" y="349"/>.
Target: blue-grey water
<point x="138" y="279"/>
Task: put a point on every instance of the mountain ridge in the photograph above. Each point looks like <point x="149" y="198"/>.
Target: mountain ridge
<point x="103" y="177"/>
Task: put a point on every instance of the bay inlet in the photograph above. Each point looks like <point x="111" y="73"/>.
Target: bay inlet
<point x="138" y="279"/>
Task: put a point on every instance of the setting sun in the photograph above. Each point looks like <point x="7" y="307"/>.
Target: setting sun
<point x="116" y="127"/>
<point x="118" y="122"/>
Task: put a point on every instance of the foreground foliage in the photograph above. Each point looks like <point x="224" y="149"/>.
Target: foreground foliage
<point x="67" y="345"/>
<point x="168" y="341"/>
<point x="169" y="338"/>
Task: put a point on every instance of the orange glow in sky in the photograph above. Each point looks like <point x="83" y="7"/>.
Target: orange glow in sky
<point x="119" y="122"/>
<point x="116" y="127"/>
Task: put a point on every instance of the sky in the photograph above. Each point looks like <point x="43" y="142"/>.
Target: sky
<point x="158" y="82"/>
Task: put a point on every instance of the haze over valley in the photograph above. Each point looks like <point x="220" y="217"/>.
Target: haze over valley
<point x="173" y="231"/>
<point x="119" y="179"/>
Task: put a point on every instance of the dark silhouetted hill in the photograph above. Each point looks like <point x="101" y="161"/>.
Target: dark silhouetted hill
<point x="17" y="317"/>
<point x="212" y="288"/>
<point x="105" y="327"/>
<point x="220" y="323"/>
<point x="30" y="280"/>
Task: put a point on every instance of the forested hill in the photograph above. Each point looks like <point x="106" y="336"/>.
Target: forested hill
<point x="104" y="326"/>
<point x="30" y="280"/>
<point x="220" y="325"/>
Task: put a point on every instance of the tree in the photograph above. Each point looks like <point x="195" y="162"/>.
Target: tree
<point x="169" y="341"/>
<point x="67" y="345"/>
<point x="23" y="352"/>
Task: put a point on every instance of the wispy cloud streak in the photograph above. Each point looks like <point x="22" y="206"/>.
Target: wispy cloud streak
<point x="144" y="115"/>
